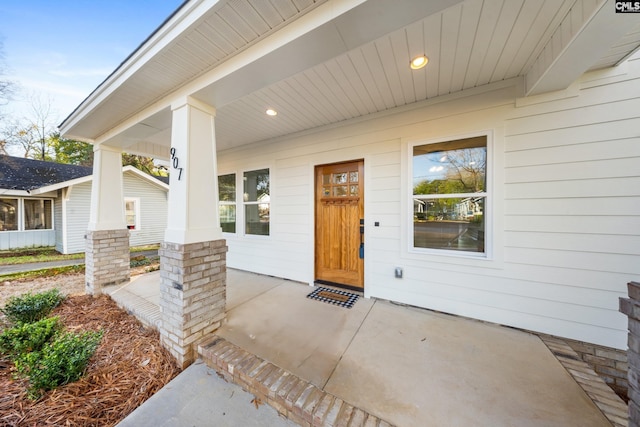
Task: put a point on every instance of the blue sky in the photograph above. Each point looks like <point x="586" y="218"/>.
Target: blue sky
<point x="63" y="49"/>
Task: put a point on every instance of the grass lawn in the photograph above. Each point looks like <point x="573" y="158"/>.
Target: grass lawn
<point x="24" y="256"/>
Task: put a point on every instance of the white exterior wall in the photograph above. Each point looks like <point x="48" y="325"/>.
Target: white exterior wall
<point x="153" y="210"/>
<point x="57" y="220"/>
<point x="31" y="238"/>
<point x="565" y="205"/>
<point x="77" y="211"/>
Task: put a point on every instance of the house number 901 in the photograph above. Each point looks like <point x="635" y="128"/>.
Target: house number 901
<point x="176" y="162"/>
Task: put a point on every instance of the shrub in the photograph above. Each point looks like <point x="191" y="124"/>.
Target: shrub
<point x="28" y="308"/>
<point x="28" y="337"/>
<point x="60" y="362"/>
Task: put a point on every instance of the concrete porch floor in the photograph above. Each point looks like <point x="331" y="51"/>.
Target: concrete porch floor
<point x="404" y="365"/>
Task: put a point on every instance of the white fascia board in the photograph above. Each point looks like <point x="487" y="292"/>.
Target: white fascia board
<point x="14" y="193"/>
<point x="58" y="186"/>
<point x="88" y="178"/>
<point x="186" y="16"/>
<point x="146" y="176"/>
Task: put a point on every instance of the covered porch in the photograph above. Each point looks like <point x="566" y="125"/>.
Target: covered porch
<point x="380" y="362"/>
<point x="248" y="89"/>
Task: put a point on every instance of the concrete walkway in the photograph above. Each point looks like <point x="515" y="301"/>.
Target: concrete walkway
<point x="402" y="365"/>
<point x="197" y="397"/>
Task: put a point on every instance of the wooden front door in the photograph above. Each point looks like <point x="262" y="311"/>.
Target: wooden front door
<point x="340" y="223"/>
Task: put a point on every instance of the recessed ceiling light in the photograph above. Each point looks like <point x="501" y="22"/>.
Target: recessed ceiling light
<point x="419" y="62"/>
<point x="271" y="112"/>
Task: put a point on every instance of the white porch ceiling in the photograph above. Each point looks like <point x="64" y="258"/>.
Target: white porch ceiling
<point x="354" y="64"/>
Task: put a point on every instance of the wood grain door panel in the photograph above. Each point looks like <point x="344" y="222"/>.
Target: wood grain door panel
<point x="339" y="209"/>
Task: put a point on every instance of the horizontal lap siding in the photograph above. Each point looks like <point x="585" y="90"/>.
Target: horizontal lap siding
<point x="153" y="210"/>
<point x="57" y="221"/>
<point x="565" y="203"/>
<point x="78" y="207"/>
<point x="572" y="204"/>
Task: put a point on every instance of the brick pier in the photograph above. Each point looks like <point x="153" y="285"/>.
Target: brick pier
<point x="106" y="259"/>
<point x="193" y="280"/>
<point x="631" y="307"/>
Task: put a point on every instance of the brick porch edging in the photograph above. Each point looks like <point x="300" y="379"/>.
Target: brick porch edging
<point x="611" y="405"/>
<point x="294" y="398"/>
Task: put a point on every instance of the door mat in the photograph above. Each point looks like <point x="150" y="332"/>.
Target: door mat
<point x="335" y="297"/>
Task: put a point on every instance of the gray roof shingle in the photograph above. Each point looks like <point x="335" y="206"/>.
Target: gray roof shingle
<point x="17" y="173"/>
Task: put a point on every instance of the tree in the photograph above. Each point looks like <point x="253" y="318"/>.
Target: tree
<point x="22" y="135"/>
<point x="468" y="166"/>
<point x="41" y="121"/>
<point x="70" y="151"/>
<point x="7" y="87"/>
<point x="30" y="134"/>
<point x="145" y="164"/>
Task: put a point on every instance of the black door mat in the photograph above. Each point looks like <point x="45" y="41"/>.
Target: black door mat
<point x="333" y="296"/>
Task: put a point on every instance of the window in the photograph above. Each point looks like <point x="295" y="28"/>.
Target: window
<point x="450" y="195"/>
<point x="256" y="202"/>
<point x="8" y="214"/>
<point x="38" y="214"/>
<point x="227" y="202"/>
<point x="132" y="213"/>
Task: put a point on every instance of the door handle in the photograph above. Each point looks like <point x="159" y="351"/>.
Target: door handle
<point x="361" y="248"/>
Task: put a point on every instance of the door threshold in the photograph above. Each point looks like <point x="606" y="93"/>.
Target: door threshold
<point x="339" y="285"/>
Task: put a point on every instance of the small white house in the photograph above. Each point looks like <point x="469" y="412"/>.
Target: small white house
<point x="502" y="177"/>
<point x="47" y="204"/>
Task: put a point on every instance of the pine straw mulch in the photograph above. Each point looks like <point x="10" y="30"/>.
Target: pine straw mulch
<point x="128" y="367"/>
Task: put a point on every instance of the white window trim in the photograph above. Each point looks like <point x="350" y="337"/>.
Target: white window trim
<point x="21" y="225"/>
<point x="21" y="214"/>
<point x="234" y="203"/>
<point x="240" y="213"/>
<point x="488" y="194"/>
<point x="136" y="201"/>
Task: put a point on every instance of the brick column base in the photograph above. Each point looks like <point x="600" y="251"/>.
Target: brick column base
<point x="193" y="282"/>
<point x="106" y="259"/>
<point x="631" y="307"/>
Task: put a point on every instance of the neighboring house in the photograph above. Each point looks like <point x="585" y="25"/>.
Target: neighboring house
<point x="527" y="116"/>
<point x="47" y="204"/>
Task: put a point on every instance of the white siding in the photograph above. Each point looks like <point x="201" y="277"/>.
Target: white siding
<point x="57" y="221"/>
<point x="153" y="210"/>
<point x="78" y="207"/>
<point x="565" y="206"/>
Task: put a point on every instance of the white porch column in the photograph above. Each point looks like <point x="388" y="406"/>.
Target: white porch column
<point x="107" y="239"/>
<point x="193" y="255"/>
<point x="193" y="197"/>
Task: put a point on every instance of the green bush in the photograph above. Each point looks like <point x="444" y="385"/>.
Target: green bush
<point x="28" y="308"/>
<point x="28" y="337"/>
<point x="60" y="362"/>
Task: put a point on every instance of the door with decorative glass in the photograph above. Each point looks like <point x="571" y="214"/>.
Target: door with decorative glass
<point x="339" y="224"/>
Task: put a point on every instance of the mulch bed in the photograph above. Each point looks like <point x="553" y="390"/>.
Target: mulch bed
<point x="128" y="367"/>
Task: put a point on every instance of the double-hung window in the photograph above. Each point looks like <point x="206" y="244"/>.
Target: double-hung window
<point x="450" y="195"/>
<point x="257" y="202"/>
<point x="227" y="202"/>
<point x="253" y="204"/>
<point x="132" y="213"/>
